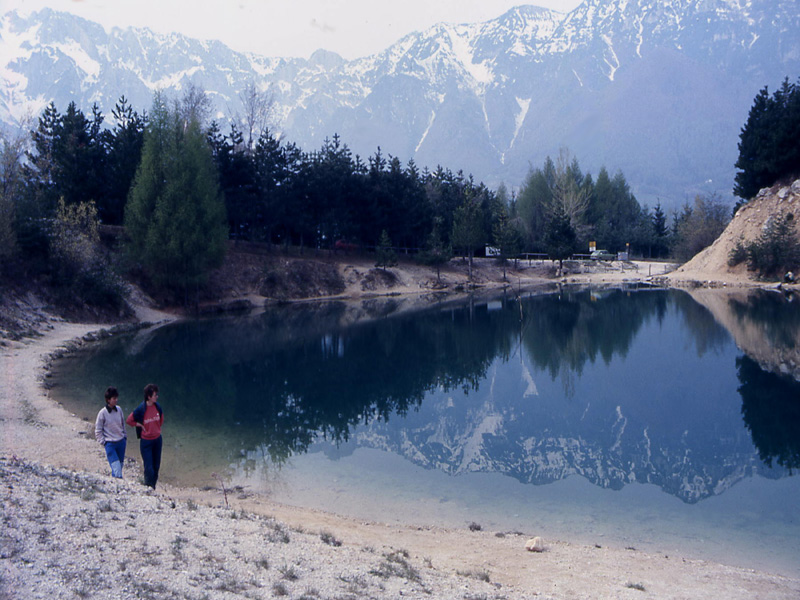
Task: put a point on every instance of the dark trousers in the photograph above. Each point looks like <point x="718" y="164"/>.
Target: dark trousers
<point x="151" y="457"/>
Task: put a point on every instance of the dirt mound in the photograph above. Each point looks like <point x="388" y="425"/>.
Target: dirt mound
<point x="379" y="279"/>
<point x="778" y="201"/>
<point x="22" y="314"/>
<point x="293" y="279"/>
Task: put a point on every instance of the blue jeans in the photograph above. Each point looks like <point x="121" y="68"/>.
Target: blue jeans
<point x="151" y="457"/>
<point x="115" y="453"/>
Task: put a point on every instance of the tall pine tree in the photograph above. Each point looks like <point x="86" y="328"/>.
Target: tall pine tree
<point x="175" y="216"/>
<point x="768" y="148"/>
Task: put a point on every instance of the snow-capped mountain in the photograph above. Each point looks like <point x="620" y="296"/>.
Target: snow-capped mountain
<point x="658" y="89"/>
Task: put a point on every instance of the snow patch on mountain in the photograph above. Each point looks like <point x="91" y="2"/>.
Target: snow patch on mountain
<point x="81" y="58"/>
<point x="461" y="47"/>
<point x="610" y="57"/>
<point x="519" y="119"/>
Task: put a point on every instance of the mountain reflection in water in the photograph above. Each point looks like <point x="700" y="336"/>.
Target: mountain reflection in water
<point x="616" y="386"/>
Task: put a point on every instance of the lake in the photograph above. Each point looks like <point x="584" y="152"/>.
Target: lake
<point x="660" y="420"/>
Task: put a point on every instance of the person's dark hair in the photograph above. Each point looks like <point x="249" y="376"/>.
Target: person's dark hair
<point x="111" y="392"/>
<point x="149" y="390"/>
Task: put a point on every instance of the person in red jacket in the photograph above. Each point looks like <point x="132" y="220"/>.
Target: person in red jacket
<point x="148" y="419"/>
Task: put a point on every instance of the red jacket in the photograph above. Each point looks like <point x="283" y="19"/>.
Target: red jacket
<point x="152" y="421"/>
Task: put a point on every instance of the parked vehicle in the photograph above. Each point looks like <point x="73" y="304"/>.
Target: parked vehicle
<point x="602" y="255"/>
<point x="345" y="245"/>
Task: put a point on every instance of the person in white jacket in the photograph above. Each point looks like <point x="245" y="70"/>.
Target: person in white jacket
<point x="109" y="430"/>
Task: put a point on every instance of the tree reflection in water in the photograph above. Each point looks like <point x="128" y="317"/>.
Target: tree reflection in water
<point x="279" y="381"/>
<point x="771" y="412"/>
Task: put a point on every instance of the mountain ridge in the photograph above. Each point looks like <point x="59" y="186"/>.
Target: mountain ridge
<point x="657" y="90"/>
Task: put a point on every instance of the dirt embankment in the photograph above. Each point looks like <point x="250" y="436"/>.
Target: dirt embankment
<point x="711" y="266"/>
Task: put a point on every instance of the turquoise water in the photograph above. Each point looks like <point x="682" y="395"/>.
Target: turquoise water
<point x="617" y="417"/>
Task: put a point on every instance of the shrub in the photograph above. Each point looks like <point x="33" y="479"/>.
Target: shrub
<point x="80" y="269"/>
<point x="776" y="250"/>
<point x="396" y="564"/>
<point x="698" y="226"/>
<point x="738" y="254"/>
<point x="330" y="539"/>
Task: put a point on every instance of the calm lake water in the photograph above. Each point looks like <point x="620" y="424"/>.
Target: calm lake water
<point x="612" y="417"/>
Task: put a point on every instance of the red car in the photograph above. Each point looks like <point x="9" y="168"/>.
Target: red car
<point x="344" y="245"/>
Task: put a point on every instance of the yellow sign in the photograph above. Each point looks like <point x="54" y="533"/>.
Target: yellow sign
<point x="592" y="246"/>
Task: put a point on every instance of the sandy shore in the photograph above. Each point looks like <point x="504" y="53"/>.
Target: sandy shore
<point x="71" y="530"/>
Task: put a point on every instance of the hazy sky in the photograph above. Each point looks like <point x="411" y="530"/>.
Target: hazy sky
<point x="353" y="28"/>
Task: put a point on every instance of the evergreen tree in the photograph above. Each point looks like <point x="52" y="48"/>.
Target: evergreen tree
<point x="96" y="184"/>
<point x="175" y="216"/>
<point x="642" y="234"/>
<point x="768" y="148"/>
<point x="274" y="166"/>
<point x="37" y="205"/>
<point x="386" y="254"/>
<point x="660" y="231"/>
<point x="468" y="233"/>
<point x="507" y="238"/>
<point x="124" y="154"/>
<point x="12" y="188"/>
<point x="239" y="183"/>
<point x="615" y="212"/>
<point x="40" y="167"/>
<point x="435" y="253"/>
<point x="534" y="198"/>
<point x="72" y="157"/>
<point x="560" y="238"/>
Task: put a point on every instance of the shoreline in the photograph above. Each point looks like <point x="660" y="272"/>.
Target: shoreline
<point x="456" y="563"/>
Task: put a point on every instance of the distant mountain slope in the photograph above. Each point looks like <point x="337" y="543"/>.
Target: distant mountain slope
<point x="657" y="89"/>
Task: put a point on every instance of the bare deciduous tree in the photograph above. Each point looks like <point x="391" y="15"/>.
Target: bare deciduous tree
<point x="569" y="195"/>
<point x="195" y="105"/>
<point x="256" y="111"/>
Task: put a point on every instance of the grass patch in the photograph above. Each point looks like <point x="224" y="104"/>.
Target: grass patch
<point x="289" y="573"/>
<point x="396" y="564"/>
<point x="355" y="584"/>
<point x="278" y="533"/>
<point x="279" y="589"/>
<point x="330" y="539"/>
<point x="635" y="586"/>
<point x="480" y="575"/>
<point x="230" y="584"/>
<point x="178" y="544"/>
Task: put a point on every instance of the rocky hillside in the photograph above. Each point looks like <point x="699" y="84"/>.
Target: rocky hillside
<point x="712" y="263"/>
